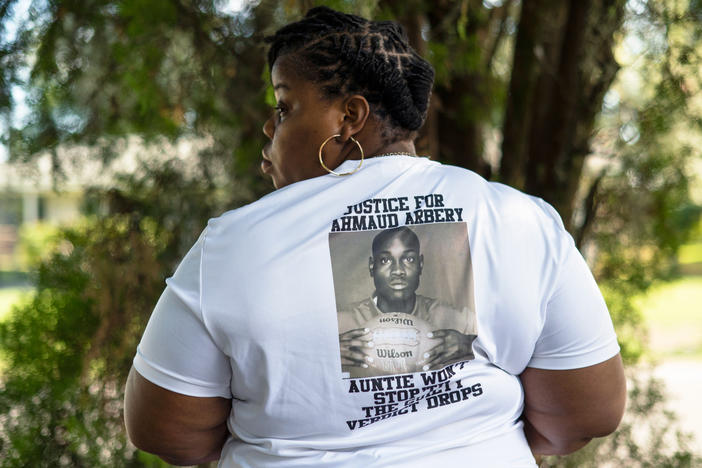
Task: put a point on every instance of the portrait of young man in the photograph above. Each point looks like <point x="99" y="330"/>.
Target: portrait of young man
<point x="395" y="328"/>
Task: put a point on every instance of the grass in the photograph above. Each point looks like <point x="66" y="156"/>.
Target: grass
<point x="673" y="314"/>
<point x="690" y="253"/>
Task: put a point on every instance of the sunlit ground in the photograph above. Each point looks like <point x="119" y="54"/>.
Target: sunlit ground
<point x="10" y="296"/>
<point x="673" y="314"/>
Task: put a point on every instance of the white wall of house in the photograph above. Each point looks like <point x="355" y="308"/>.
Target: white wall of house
<point x="30" y="207"/>
<point x="62" y="209"/>
<point x="54" y="208"/>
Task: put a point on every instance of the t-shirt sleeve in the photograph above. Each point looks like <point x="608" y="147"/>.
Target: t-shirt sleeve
<point x="577" y="330"/>
<point x="177" y="351"/>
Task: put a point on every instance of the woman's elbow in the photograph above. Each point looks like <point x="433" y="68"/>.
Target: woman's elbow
<point x="184" y="454"/>
<point x="605" y="426"/>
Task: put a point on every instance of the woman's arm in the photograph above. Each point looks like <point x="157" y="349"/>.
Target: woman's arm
<point x="181" y="429"/>
<point x="565" y="409"/>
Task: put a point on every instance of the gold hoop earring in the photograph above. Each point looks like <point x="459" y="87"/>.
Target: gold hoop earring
<point x="321" y="161"/>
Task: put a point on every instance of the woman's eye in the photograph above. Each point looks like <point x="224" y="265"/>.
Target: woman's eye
<point x="384" y="261"/>
<point x="409" y="259"/>
<point x="280" y="110"/>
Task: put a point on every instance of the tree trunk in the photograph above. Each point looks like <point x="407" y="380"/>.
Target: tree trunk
<point x="551" y="146"/>
<point x="463" y="103"/>
<point x="549" y="120"/>
<point x="538" y="37"/>
<point x="427" y="142"/>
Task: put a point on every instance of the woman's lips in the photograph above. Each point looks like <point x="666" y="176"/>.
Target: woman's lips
<point x="266" y="164"/>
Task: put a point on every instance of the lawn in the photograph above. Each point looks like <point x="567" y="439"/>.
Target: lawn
<point x="673" y="313"/>
<point x="690" y="253"/>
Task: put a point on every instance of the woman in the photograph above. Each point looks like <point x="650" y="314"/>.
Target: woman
<point x="246" y="359"/>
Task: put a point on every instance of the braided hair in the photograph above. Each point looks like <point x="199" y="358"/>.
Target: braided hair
<point x="346" y="54"/>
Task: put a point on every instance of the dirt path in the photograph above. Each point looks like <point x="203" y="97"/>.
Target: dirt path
<point x="683" y="381"/>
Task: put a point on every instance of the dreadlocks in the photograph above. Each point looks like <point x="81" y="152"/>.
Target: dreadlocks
<point x="346" y="54"/>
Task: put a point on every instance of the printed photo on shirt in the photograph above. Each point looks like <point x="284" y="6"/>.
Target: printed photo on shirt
<point x="404" y="297"/>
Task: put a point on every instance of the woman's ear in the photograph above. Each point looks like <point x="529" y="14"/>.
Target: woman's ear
<point x="356" y="113"/>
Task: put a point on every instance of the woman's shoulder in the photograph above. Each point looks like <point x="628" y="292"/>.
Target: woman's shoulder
<point x="254" y="211"/>
<point x="502" y="197"/>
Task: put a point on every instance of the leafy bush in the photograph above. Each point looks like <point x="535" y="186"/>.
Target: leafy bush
<point x="36" y="243"/>
<point x="68" y="350"/>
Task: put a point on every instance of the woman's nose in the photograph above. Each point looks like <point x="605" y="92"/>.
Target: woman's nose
<point x="269" y="128"/>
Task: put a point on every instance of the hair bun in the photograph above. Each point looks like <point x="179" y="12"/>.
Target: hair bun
<point x="347" y="54"/>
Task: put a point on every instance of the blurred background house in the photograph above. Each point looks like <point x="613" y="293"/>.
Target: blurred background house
<point x="28" y="196"/>
<point x="42" y="193"/>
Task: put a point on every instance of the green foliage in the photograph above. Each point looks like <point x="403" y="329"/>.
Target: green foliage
<point x="161" y="70"/>
<point x="36" y="242"/>
<point x="642" y="203"/>
<point x="627" y="320"/>
<point x="645" y="213"/>
<point x="66" y="351"/>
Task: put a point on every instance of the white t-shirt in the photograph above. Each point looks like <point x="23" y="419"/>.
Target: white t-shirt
<point x="252" y="313"/>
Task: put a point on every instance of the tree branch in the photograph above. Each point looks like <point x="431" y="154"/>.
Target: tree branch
<point x="590" y="205"/>
<point x="492" y="50"/>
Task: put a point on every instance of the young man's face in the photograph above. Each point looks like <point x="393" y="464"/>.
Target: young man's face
<point x="396" y="266"/>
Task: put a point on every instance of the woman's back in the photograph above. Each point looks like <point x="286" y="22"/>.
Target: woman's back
<point x="271" y="283"/>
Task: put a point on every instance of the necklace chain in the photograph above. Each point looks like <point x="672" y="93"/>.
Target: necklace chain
<point x="394" y="153"/>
